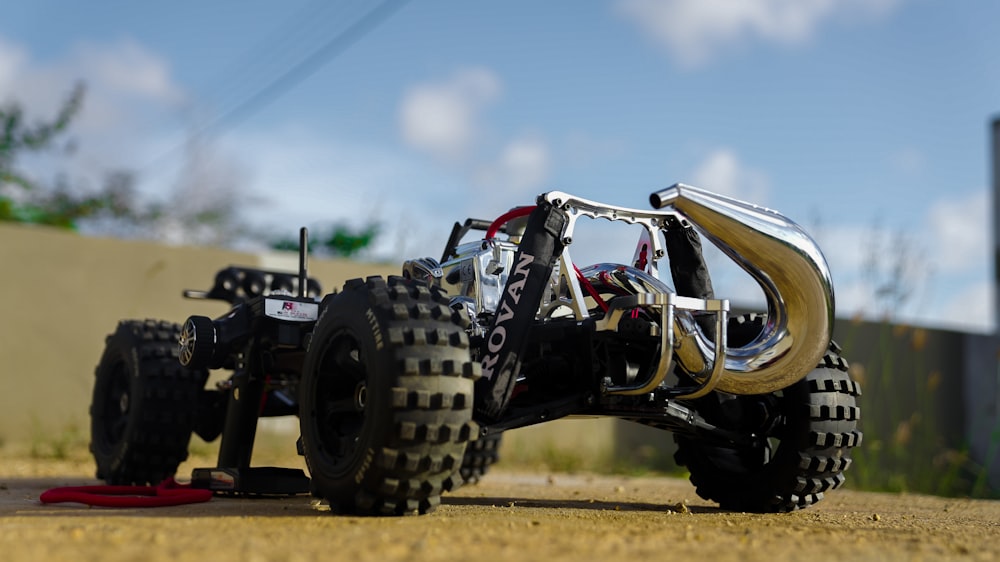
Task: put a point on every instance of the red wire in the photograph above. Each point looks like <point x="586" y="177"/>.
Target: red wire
<point x="524" y="211"/>
<point x="503" y="219"/>
<point x="589" y="287"/>
<point x="167" y="493"/>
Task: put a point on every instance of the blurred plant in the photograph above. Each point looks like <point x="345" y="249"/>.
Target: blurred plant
<point x="203" y="207"/>
<point x="903" y="420"/>
<point x="17" y="137"/>
<point x="895" y="268"/>
<point x="340" y="240"/>
<point x="905" y="448"/>
<point x="206" y="202"/>
<point x="68" y="443"/>
<point x="19" y="197"/>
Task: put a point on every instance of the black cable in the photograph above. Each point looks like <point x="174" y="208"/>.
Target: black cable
<point x="307" y="67"/>
<point x="293" y="76"/>
<point x="280" y="49"/>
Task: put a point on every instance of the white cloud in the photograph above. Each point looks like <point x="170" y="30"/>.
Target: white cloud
<point x="695" y="31"/>
<point x="959" y="230"/>
<point x="722" y="172"/>
<point x="443" y="118"/>
<point x="929" y="275"/>
<point x="118" y="76"/>
<point x="130" y="95"/>
<point x="972" y="307"/>
<point x="843" y="246"/>
<point x="127" y="68"/>
<point x="943" y="268"/>
<point x="12" y="58"/>
<point x="301" y="178"/>
<point x="522" y="165"/>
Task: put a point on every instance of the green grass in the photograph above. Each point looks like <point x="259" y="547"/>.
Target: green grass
<point x="69" y="442"/>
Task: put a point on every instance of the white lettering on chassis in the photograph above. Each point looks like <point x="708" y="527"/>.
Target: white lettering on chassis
<point x="508" y="303"/>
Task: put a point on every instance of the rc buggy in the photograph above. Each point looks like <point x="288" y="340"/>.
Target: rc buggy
<point x="403" y="386"/>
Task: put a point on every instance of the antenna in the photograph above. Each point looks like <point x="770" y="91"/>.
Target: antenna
<point x="996" y="220"/>
<point x="303" y="261"/>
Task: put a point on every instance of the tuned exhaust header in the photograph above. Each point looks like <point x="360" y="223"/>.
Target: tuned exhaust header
<point x="792" y="273"/>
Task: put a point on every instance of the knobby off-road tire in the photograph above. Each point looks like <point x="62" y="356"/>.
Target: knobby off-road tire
<point x="808" y="446"/>
<point x="144" y="404"/>
<point x="386" y="398"/>
<point x="480" y="455"/>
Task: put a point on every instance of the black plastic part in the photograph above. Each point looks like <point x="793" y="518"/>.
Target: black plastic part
<point x="516" y="417"/>
<point x="303" y="262"/>
<point x="240" y="428"/>
<point x="236" y="285"/>
<point x="502" y="351"/>
<point x="211" y="414"/>
<point x="688" y="269"/>
<point x="254" y="283"/>
<point x="458" y="231"/>
<point x="255" y="481"/>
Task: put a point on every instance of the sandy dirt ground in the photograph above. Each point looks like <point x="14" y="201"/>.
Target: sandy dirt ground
<point x="508" y="516"/>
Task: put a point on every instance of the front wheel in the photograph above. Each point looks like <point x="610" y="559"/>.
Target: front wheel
<point x="807" y="432"/>
<point x="386" y="398"/>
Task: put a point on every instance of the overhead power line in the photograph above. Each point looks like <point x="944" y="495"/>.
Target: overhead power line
<point x="298" y="72"/>
<point x="312" y="25"/>
<point x="308" y="66"/>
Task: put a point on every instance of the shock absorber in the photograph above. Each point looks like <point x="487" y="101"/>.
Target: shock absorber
<point x="505" y="342"/>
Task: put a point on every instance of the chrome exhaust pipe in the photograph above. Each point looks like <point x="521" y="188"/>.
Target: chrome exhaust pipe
<point x="792" y="273"/>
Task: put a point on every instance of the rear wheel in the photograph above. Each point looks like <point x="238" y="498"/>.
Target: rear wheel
<point x="807" y="432"/>
<point x="480" y="455"/>
<point x="144" y="404"/>
<point x="386" y="398"/>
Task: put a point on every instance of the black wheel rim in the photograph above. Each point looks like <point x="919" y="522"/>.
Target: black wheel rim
<point x="762" y="413"/>
<point x="340" y="403"/>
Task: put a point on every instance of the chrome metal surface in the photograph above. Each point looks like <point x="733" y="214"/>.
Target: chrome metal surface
<point x="479" y="272"/>
<point x="616" y="309"/>
<point x="791" y="271"/>
<point x="781" y="258"/>
<point x="628" y="288"/>
<point x="423" y="269"/>
<point x="577" y="207"/>
<point x="188" y="342"/>
<point x="777" y="254"/>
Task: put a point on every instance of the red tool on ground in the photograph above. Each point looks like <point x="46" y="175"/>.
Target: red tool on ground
<point x="166" y="493"/>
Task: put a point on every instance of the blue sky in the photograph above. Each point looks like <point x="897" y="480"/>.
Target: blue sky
<point x="864" y="120"/>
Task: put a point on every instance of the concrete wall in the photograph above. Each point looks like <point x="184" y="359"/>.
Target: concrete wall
<point x="61" y="294"/>
<point x="907" y="371"/>
<point x="981" y="397"/>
